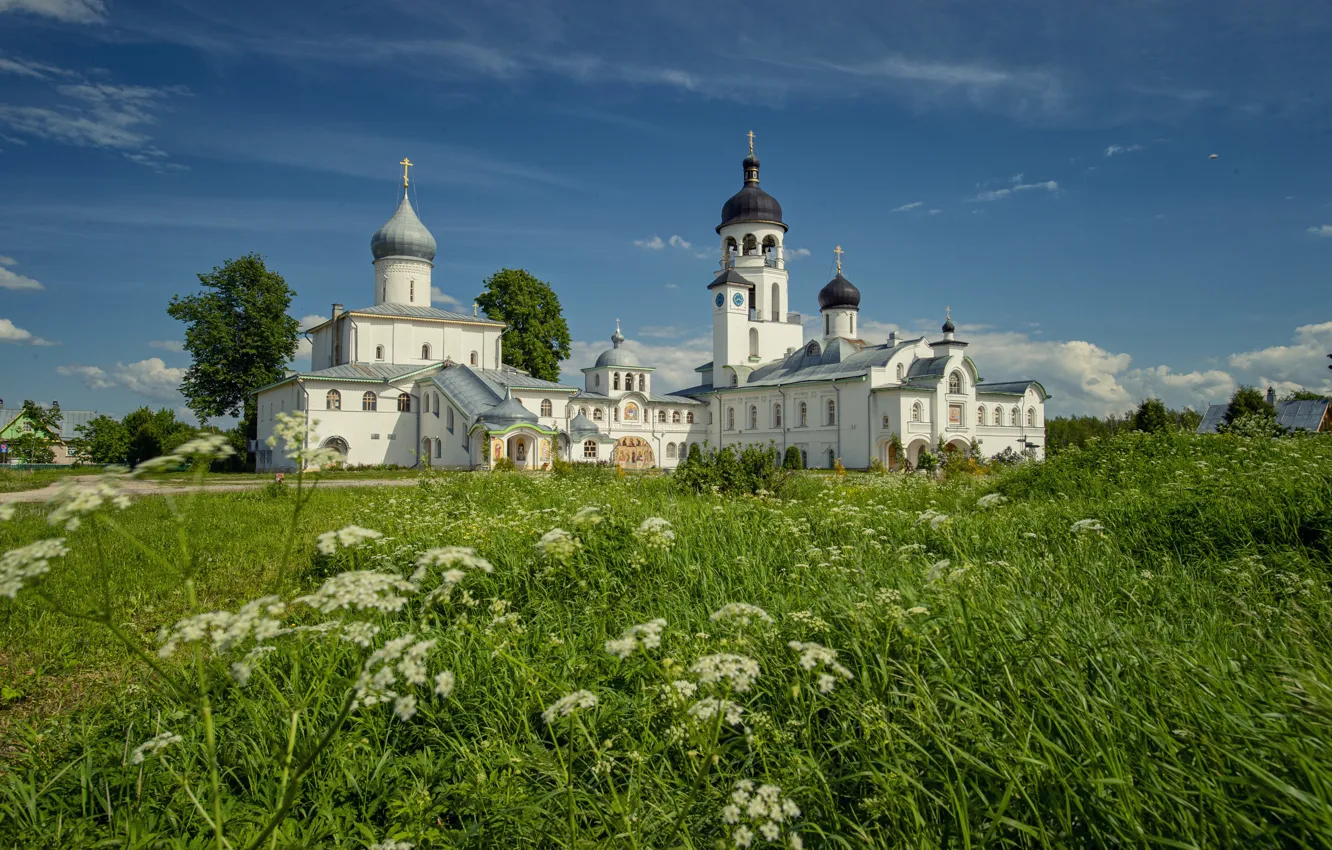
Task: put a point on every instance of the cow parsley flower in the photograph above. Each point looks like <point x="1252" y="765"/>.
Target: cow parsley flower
<point x="708" y="708"/>
<point x="243" y="669"/>
<point x="656" y="533"/>
<point x="740" y="612"/>
<point x="558" y="544"/>
<point x="763" y="809"/>
<point x="222" y="630"/>
<point x="360" y="633"/>
<point x="1088" y="525"/>
<point x="348" y="538"/>
<point x="206" y="448"/>
<point x="19" y="566"/>
<point x="153" y="746"/>
<point x="739" y="670"/>
<point x="568" y="704"/>
<point x="403" y="656"/>
<point x="817" y="656"/>
<point x="990" y="500"/>
<point x="933" y="517"/>
<point x="77" y="498"/>
<point x="646" y="635"/>
<point x="444" y="683"/>
<point x="587" y="516"/>
<point x="6" y="511"/>
<point x="392" y="845"/>
<point x="360" y="590"/>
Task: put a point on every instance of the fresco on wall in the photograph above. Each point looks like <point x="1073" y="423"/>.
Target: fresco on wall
<point x="633" y="453"/>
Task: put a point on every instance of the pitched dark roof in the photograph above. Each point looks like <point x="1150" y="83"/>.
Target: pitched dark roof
<point x="730" y="275"/>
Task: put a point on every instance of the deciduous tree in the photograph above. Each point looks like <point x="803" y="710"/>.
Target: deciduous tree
<point x="537" y="338"/>
<point x="35" y="444"/>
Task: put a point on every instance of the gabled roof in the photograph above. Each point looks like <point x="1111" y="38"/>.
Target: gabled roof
<point x="1305" y="414"/>
<point x="673" y="398"/>
<point x="413" y="311"/>
<point x="842" y="359"/>
<point x="508" y="376"/>
<point x="1213" y="418"/>
<point x="374" y="373"/>
<point x="730" y="275"/>
<point x="1011" y="388"/>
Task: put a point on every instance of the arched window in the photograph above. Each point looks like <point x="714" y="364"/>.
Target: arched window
<point x="449" y="419"/>
<point x="411" y="291"/>
<point x="776" y="302"/>
<point x="804" y="459"/>
<point x="590" y="448"/>
<point x="1031" y="417"/>
<point x="425" y="451"/>
<point x="661" y="415"/>
<point x="615" y="413"/>
<point x="333" y="401"/>
<point x="804" y="414"/>
<point x="812" y="350"/>
<point x="832" y="411"/>
<point x="735" y="379"/>
<point x="980" y="415"/>
<point x="439" y="447"/>
<point x="832" y="458"/>
<point x="582" y="411"/>
<point x="436" y="403"/>
<point x="827" y="324"/>
<point x="1016" y="418"/>
<point x="368" y="401"/>
<point x="425" y="351"/>
<point x="404" y="403"/>
<point x="670" y="451"/>
<point x="689" y="418"/>
<point x="998" y="416"/>
<point x="475" y="359"/>
<point x="777" y="415"/>
<point x="642" y="383"/>
<point x="753" y="417"/>
<point x="753" y="342"/>
<point x="547" y="409"/>
<point x="917" y="412"/>
<point x="675" y="417"/>
<point x="596" y="415"/>
<point x="615" y="381"/>
<point x="955" y="383"/>
<point x="751" y="244"/>
<point x="730" y="419"/>
<point x="379" y="352"/>
<point x="885" y="420"/>
<point x="596" y="380"/>
<point x="901" y="371"/>
<point x="769" y="249"/>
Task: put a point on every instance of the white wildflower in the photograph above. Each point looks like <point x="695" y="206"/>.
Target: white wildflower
<point x="1086" y="525"/>
<point x="918" y="609"/>
<point x="568" y="704"/>
<point x="391" y="845"/>
<point x="403" y="656"/>
<point x="405" y="707"/>
<point x="816" y="655"/>
<point x="153" y="746"/>
<point x="741" y="612"/>
<point x="739" y="670"/>
<point x="656" y="533"/>
<point x="933" y="517"/>
<point x="348" y="538"/>
<point x="360" y="590"/>
<point x="706" y="709"/>
<point x="360" y="633"/>
<point x="444" y="683"/>
<point x="243" y="669"/>
<point x="990" y="500"/>
<point x="684" y="688"/>
<point x="223" y="630"/>
<point x="6" y="511"/>
<point x="743" y="836"/>
<point x="19" y="566"/>
<point x="646" y="635"/>
<point x="558" y="544"/>
<point x="206" y="447"/>
<point x="764" y="809"/>
<point x="589" y="515"/>
<point x="75" y="498"/>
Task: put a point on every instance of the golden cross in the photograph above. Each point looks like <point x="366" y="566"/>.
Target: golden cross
<point x="474" y="306"/>
<point x="751" y="142"/>
<point x="838" y="251"/>
<point x="406" y="164"/>
<point x="948" y="313"/>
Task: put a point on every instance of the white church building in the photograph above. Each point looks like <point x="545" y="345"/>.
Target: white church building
<point x="402" y="382"/>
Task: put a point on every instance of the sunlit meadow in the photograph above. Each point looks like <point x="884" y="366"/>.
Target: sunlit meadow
<point x="1123" y="646"/>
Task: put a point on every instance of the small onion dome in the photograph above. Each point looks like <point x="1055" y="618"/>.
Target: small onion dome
<point x="948" y="325"/>
<point x="403" y="235"/>
<point x="839" y="292"/>
<point x="616" y="356"/>
<point x="751" y="203"/>
<point x="508" y="411"/>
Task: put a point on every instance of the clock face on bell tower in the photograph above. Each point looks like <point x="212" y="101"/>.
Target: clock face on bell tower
<point x="720" y="299"/>
<point x="738" y="299"/>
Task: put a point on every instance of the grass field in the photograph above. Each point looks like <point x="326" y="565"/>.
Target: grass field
<point x="12" y="480"/>
<point x="1124" y="646"/>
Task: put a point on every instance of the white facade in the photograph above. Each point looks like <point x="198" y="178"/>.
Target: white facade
<point x="406" y="384"/>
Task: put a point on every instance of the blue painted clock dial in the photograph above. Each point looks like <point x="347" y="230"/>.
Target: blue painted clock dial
<point x="720" y="299"/>
<point x="738" y="299"/>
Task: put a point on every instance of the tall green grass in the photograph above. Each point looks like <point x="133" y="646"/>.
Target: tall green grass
<point x="1016" y="683"/>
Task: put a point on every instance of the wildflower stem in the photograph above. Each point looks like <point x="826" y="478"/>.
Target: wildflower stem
<point x="702" y="769"/>
<point x="573" y="828"/>
<point x="286" y="766"/>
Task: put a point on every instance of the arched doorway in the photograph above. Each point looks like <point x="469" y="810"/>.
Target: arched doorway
<point x="338" y="445"/>
<point x="425" y="452"/>
<point x="633" y="453"/>
<point x="888" y="454"/>
<point x="519" y="450"/>
<point x="913" y="451"/>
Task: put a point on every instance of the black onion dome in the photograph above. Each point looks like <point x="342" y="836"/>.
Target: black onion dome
<point x="948" y="325"/>
<point x="751" y="203"/>
<point x="839" y="292"/>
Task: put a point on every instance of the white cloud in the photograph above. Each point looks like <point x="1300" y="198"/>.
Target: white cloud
<point x="73" y="11"/>
<point x="1303" y="362"/>
<point x="655" y="243"/>
<point x="935" y="212"/>
<point x="672" y="286"/>
<point x="439" y="296"/>
<point x="93" y="377"/>
<point x="795" y="254"/>
<point x="674" y="363"/>
<point x="303" y="347"/>
<point x="999" y="194"/>
<point x="175" y="345"/>
<point x="151" y="378"/>
<point x="1114" y="150"/>
<point x="908" y="207"/>
<point x="10" y="333"/>
<point x="14" y="280"/>
<point x="1325" y="231"/>
<point x="677" y="242"/>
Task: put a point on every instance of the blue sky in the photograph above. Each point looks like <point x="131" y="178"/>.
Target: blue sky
<point x="1042" y="168"/>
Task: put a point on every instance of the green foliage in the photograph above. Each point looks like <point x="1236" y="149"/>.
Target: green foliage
<point x="1152" y="417"/>
<point x="150" y="433"/>
<point x="1246" y="401"/>
<point x="102" y="440"/>
<point x="927" y="460"/>
<point x="876" y="465"/>
<point x="1065" y="432"/>
<point x="792" y="461"/>
<point x="1254" y="425"/>
<point x="40" y="432"/>
<point x="726" y="471"/>
<point x="504" y="464"/>
<point x="537" y="338"/>
<point x="1303" y="395"/>
<point x="239" y="334"/>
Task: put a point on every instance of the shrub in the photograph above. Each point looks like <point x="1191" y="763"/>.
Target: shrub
<point x="927" y="460"/>
<point x="792" y="460"/>
<point x="876" y="465"/>
<point x="504" y="464"/>
<point x="724" y="470"/>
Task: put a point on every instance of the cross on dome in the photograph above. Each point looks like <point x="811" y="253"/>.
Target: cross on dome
<point x="751" y="142"/>
<point x="838" y="251"/>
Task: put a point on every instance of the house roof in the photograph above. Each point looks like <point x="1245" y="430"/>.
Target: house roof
<point x="1213" y="418"/>
<point x="69" y="423"/>
<point x="413" y="311"/>
<point x="1304" y="414"/>
<point x="1011" y="388"/>
<point x="374" y="373"/>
